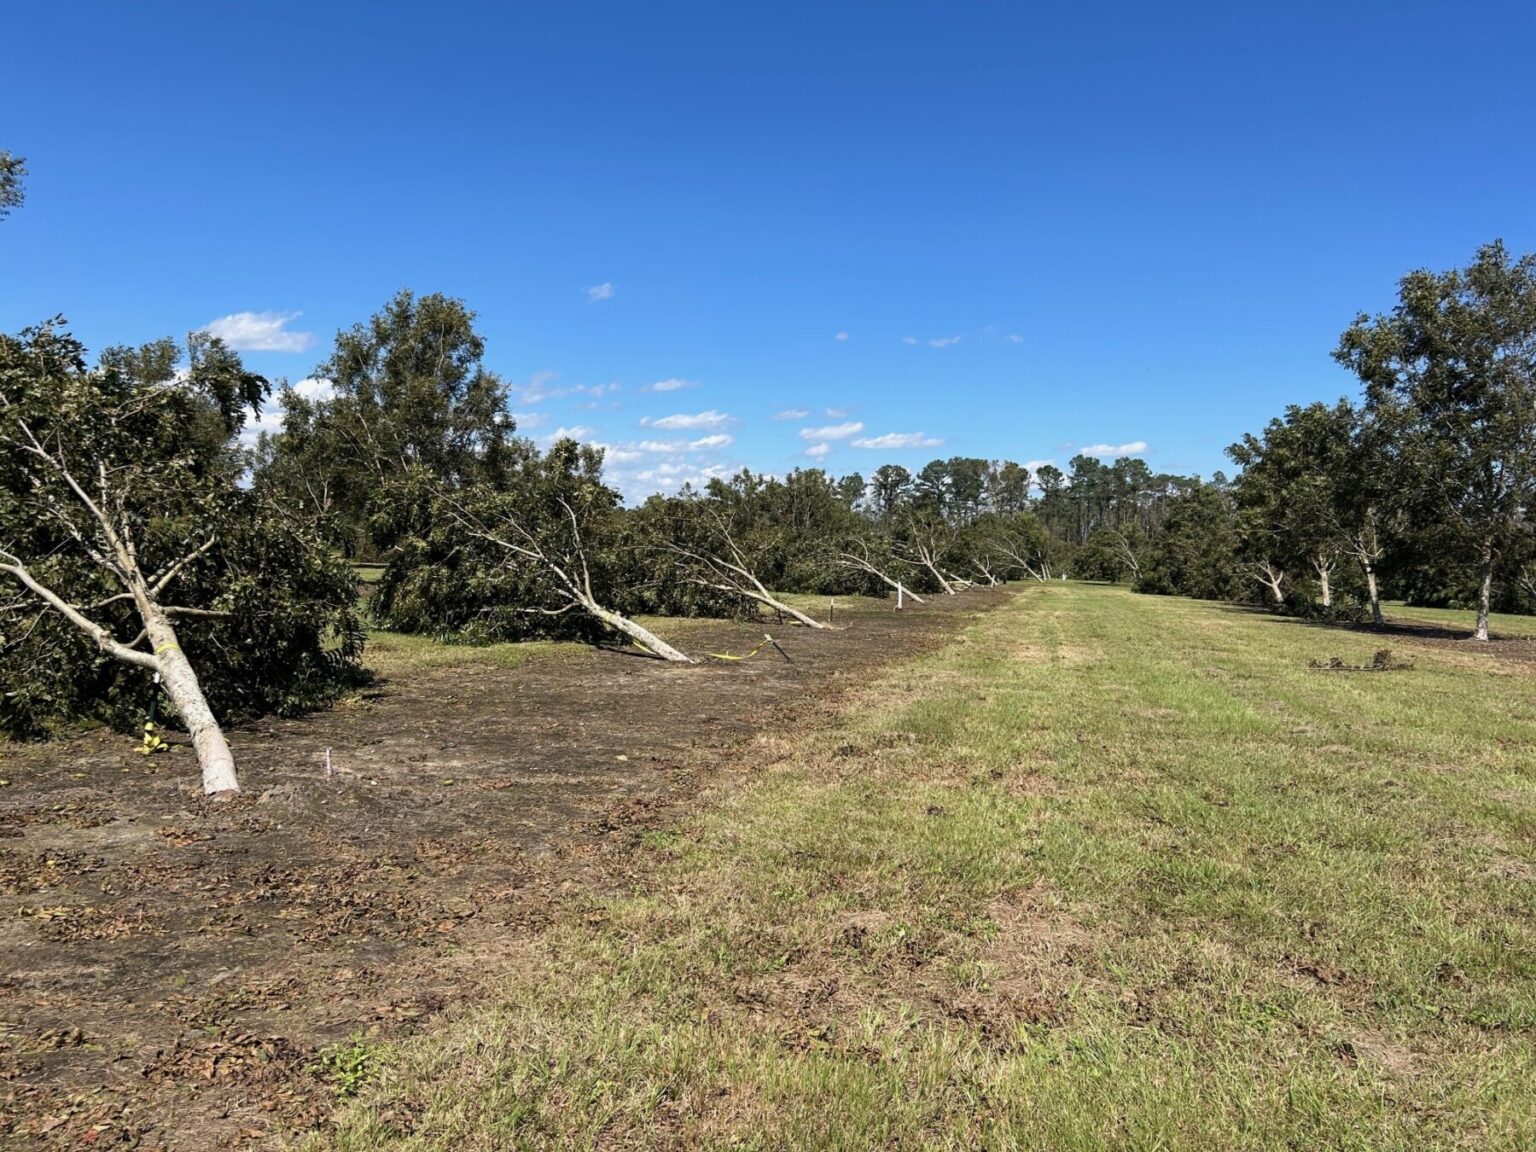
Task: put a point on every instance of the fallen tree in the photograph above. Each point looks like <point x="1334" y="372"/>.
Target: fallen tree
<point x="123" y="525"/>
<point x="857" y="557"/>
<point x="516" y="560"/>
<point x="714" y="559"/>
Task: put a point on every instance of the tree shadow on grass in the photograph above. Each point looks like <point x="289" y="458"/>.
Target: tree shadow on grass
<point x="1423" y="630"/>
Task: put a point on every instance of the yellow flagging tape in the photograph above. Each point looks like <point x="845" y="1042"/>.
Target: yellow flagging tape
<point x="164" y="648"/>
<point x="767" y="640"/>
<point x="152" y="741"/>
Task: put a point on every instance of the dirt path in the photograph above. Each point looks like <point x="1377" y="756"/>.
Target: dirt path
<point x="171" y="966"/>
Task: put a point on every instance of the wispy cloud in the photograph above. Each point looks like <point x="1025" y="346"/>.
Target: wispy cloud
<point x="832" y="431"/>
<point x="943" y="341"/>
<point x="529" y="420"/>
<point x="718" y="440"/>
<point x="710" y="419"/>
<point x="1134" y="448"/>
<point x="260" y="332"/>
<point x="909" y="339"/>
<point x="672" y="384"/>
<point x="598" y="292"/>
<point x="838" y="413"/>
<point x="817" y="451"/>
<point x="1015" y="338"/>
<point x="792" y="414"/>
<point x="841" y="336"/>
<point x="899" y="440"/>
<point x="541" y="386"/>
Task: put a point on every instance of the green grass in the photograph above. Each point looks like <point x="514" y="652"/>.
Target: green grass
<point x="397" y="654"/>
<point x="1107" y="871"/>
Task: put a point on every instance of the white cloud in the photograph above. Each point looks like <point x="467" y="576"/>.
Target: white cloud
<point x="817" y="451"/>
<point x="710" y="419"/>
<point x="718" y="440"/>
<point x="838" y="413"/>
<point x="943" y="341"/>
<point x="529" y="420"/>
<point x="1015" y="338"/>
<point x="671" y="385"/>
<point x="315" y="388"/>
<point x="574" y="432"/>
<point x="1035" y="465"/>
<point x="832" y="431"/>
<point x="792" y="414"/>
<point x="260" y="332"/>
<point x="1134" y="448"/>
<point x="661" y="447"/>
<point x="899" y="440"/>
<point x="598" y="292"/>
<point x="270" y="421"/>
<point x="909" y="339"/>
<point x="841" y="336"/>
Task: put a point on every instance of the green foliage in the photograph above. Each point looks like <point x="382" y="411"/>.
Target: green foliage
<point x="411" y="396"/>
<point x="276" y="628"/>
<point x="1451" y="375"/>
<point x="13" y="169"/>
<point x="1195" y="553"/>
<point x="347" y="1067"/>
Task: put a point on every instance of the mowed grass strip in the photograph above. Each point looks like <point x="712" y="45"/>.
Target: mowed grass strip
<point x="1108" y="871"/>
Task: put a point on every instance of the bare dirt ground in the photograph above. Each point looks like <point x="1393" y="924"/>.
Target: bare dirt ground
<point x="173" y="966"/>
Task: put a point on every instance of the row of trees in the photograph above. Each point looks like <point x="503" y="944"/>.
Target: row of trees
<point x="138" y="539"/>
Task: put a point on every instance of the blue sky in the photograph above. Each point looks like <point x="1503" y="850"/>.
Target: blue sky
<point x="997" y="230"/>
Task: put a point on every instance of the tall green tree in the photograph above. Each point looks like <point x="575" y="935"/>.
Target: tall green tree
<point x="1451" y="372"/>
<point x="411" y="396"/>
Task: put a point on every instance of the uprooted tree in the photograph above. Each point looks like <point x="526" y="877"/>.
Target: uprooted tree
<point x="871" y="554"/>
<point x="714" y="556"/>
<point x="536" y="555"/>
<point x="127" y="546"/>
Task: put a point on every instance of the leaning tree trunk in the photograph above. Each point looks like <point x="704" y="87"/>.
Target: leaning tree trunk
<point x="635" y="632"/>
<point x="851" y="561"/>
<point x="186" y="695"/>
<point x="1484" y="591"/>
<point x="779" y="606"/>
<point x="939" y="576"/>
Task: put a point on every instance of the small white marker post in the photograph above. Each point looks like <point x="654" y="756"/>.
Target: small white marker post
<point x="898" y="595"/>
